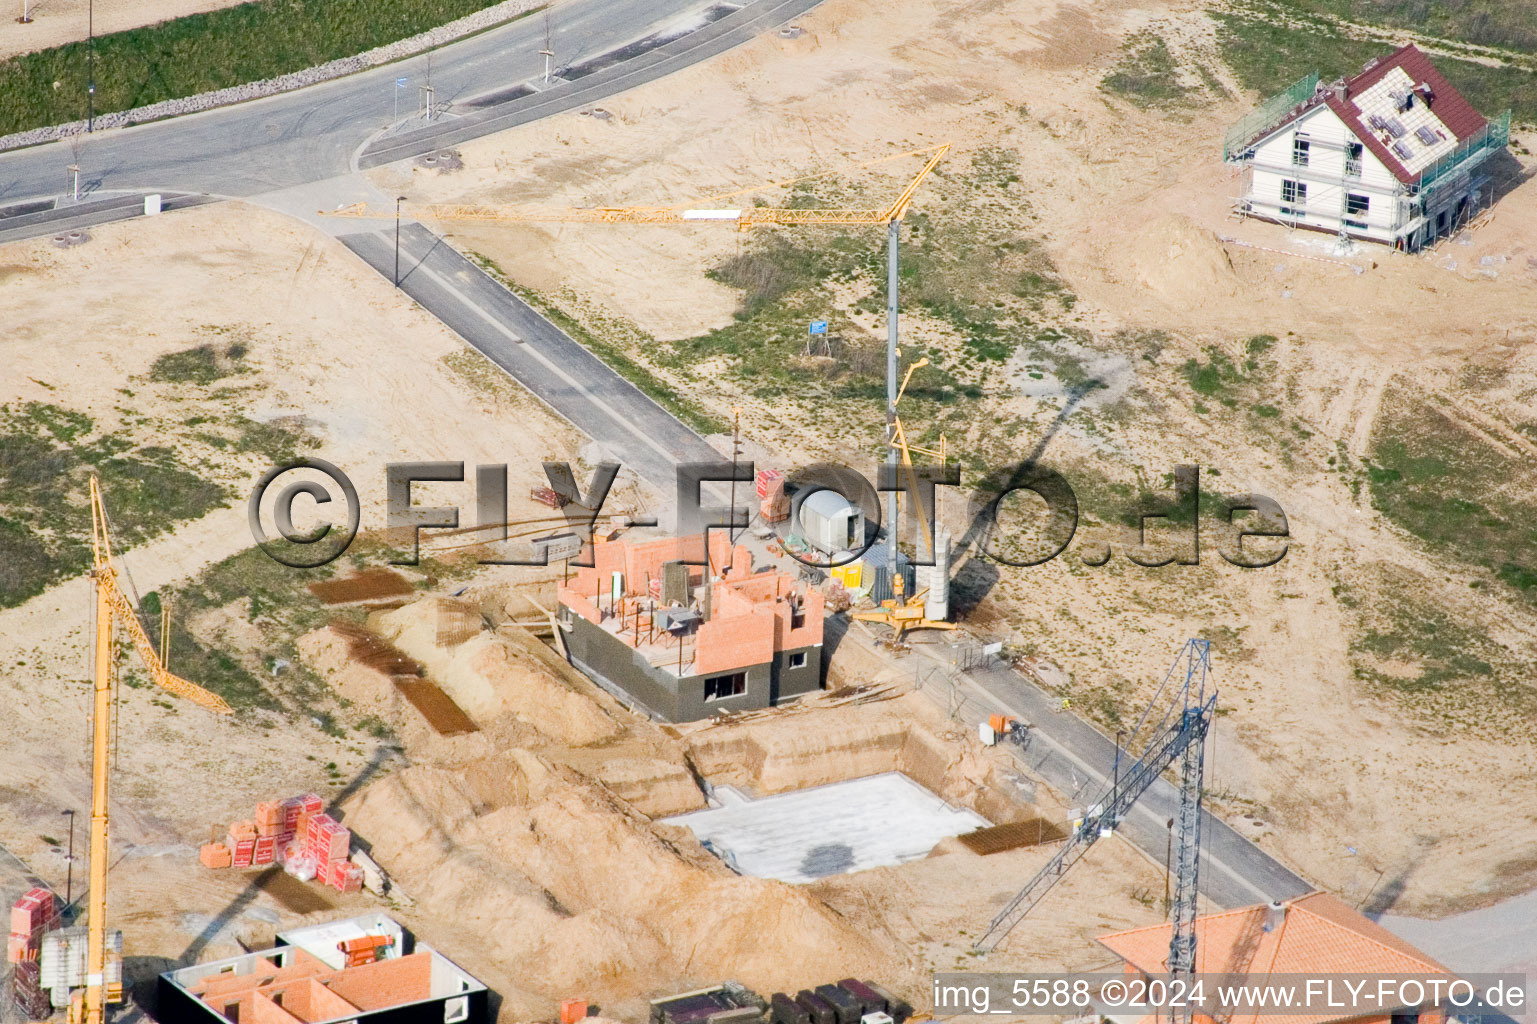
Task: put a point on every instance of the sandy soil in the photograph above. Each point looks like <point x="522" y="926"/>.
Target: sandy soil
<point x="1338" y="777"/>
<point x="527" y="842"/>
<point x="375" y="379"/>
<point x="55" y="22"/>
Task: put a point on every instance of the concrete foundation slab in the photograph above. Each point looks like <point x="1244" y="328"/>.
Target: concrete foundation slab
<point x="877" y="821"/>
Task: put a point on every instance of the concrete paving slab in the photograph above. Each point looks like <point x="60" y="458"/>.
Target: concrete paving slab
<point x="877" y="821"/>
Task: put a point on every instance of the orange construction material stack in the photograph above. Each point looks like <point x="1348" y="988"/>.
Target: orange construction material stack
<point x="285" y="832"/>
<point x="242" y="842"/>
<point x="32" y="916"/>
<point x="366" y="949"/>
<point x="773" y="506"/>
<point x="572" y="1010"/>
<point x="216" y="855"/>
<point x="329" y="843"/>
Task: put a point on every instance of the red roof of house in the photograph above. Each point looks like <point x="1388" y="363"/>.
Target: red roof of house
<point x="1449" y="106"/>
<point x="1318" y="934"/>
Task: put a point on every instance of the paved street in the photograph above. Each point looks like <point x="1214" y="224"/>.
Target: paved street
<point x="320" y="132"/>
<point x="571" y="380"/>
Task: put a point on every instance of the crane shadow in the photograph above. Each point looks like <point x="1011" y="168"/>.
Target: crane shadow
<point x="980" y="581"/>
<point x="268" y="880"/>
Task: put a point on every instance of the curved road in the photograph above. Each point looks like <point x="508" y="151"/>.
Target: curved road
<point x="318" y="133"/>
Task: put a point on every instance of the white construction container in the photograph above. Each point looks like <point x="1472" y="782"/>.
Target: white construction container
<point x="831" y="523"/>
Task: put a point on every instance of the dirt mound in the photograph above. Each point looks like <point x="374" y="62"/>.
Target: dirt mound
<point x="505" y="674"/>
<point x="568" y="881"/>
<point x="1180" y="262"/>
<point x="372" y="690"/>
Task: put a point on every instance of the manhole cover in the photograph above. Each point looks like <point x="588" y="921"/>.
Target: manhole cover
<point x="443" y="161"/>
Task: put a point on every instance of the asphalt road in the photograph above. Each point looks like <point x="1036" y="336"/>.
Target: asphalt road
<point x="640" y="434"/>
<point x="317" y="133"/>
<point x="1078" y="761"/>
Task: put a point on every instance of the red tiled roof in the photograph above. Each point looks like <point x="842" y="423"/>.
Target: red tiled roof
<point x="1449" y="106"/>
<point x="1319" y="934"/>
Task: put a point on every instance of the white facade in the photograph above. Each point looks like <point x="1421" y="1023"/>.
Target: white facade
<point x="1391" y="155"/>
<point x="1315" y="173"/>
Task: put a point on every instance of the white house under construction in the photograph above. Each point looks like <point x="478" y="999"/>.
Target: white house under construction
<point x="1392" y="155"/>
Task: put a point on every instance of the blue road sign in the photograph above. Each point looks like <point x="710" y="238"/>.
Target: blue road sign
<point x="818" y="327"/>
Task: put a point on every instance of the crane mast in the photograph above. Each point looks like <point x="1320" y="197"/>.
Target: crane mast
<point x="1179" y="736"/>
<point x="111" y="605"/>
<point x="745" y="219"/>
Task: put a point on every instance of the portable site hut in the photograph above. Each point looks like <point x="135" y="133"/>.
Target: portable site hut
<point x="830" y="522"/>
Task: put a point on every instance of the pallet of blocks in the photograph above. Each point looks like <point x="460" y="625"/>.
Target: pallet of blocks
<point x="27" y="992"/>
<point x="32" y="917"/>
<point x="62" y="964"/>
<point x="296" y="834"/>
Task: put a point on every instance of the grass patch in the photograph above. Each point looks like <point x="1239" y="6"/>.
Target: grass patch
<point x="1269" y="54"/>
<point x="281" y="607"/>
<point x="1415" y="651"/>
<point x="280" y="440"/>
<point x="201" y="364"/>
<point x="1506" y="23"/>
<point x="765" y="276"/>
<point x="46" y="457"/>
<point x="1148" y="75"/>
<point x="201" y="52"/>
<point x="1437" y="481"/>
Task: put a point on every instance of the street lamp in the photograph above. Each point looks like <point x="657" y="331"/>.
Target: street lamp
<point x="398" y="201"/>
<point x="69" y="863"/>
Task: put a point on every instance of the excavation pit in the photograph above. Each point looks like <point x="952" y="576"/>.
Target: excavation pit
<point x="876" y="821"/>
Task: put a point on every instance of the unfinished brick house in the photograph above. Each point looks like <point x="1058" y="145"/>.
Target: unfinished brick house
<point x="1315" y="935"/>
<point x="684" y="641"/>
<point x="308" y="980"/>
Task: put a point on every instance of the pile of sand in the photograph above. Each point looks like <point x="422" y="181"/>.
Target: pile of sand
<point x="506" y="674"/>
<point x="584" y="894"/>
<point x="1180" y="262"/>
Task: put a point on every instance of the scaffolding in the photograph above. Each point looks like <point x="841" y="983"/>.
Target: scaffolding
<point x="1474" y="150"/>
<point x="1267" y="115"/>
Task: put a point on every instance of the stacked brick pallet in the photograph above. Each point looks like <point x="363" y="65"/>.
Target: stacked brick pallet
<point x="773" y="504"/>
<point x="295" y="833"/>
<point x="32" y="917"/>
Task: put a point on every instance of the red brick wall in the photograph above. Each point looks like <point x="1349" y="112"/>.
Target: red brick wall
<point x="386" y="983"/>
<point x="726" y="644"/>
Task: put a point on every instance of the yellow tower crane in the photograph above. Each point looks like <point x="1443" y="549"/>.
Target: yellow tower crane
<point x="745" y="219"/>
<point x="89" y="1006"/>
<point x="904" y="614"/>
